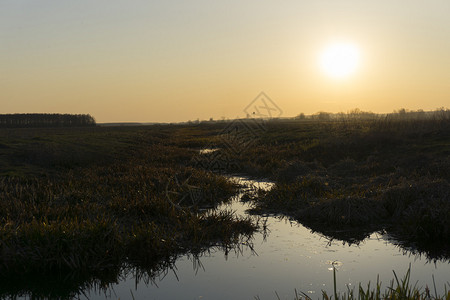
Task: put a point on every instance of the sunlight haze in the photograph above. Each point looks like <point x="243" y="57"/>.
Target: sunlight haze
<point x="340" y="60"/>
<point x="173" y="61"/>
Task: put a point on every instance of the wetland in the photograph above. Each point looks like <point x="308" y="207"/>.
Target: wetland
<point x="151" y="211"/>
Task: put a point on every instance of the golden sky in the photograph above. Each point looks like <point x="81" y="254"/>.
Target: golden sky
<point x="170" y="61"/>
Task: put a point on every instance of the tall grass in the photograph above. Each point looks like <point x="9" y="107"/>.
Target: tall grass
<point x="398" y="289"/>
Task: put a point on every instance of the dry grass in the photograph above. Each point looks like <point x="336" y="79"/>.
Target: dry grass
<point x="138" y="209"/>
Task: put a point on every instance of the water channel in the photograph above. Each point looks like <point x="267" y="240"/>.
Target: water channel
<point x="289" y="258"/>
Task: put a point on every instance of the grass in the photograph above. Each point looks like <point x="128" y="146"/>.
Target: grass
<point x="399" y="288"/>
<point x="92" y="201"/>
<point x="76" y="220"/>
<point x="371" y="175"/>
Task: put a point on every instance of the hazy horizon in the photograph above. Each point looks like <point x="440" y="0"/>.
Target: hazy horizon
<point x="177" y="61"/>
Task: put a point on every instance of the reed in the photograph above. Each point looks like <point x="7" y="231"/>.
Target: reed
<point x="399" y="288"/>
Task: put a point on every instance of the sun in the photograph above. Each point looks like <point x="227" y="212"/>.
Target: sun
<point x="340" y="60"/>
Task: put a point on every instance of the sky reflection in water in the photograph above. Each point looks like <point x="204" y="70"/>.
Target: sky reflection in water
<point x="290" y="258"/>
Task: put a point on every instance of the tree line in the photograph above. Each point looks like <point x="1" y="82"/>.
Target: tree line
<point x="45" y="120"/>
<point x="401" y="114"/>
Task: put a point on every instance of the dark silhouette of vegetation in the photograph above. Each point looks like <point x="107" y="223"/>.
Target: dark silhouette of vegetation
<point x="399" y="288"/>
<point x="388" y="172"/>
<point x="45" y="120"/>
<point x="67" y="211"/>
<point x="400" y="114"/>
<point x="89" y="200"/>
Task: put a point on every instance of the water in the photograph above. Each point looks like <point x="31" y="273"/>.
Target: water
<point x="208" y="150"/>
<point x="291" y="257"/>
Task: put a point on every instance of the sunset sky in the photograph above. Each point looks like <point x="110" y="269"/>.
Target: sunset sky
<point x="170" y="61"/>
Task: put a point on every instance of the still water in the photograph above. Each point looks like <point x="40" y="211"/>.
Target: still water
<point x="289" y="258"/>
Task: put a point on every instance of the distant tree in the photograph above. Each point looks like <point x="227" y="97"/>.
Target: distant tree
<point x="45" y="120"/>
<point x="341" y="116"/>
<point x="301" y="116"/>
<point x="355" y="111"/>
<point x="323" y="116"/>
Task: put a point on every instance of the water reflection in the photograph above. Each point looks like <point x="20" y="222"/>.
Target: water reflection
<point x="109" y="283"/>
<point x="208" y="150"/>
<point x="285" y="256"/>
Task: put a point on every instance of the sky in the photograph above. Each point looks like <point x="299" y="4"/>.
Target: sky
<point x="173" y="61"/>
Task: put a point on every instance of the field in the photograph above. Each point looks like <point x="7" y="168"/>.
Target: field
<point x="80" y="204"/>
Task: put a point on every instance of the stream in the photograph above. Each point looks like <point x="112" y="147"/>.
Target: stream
<point x="289" y="258"/>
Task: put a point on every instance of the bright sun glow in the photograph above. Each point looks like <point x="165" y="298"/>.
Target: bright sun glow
<point x="340" y="60"/>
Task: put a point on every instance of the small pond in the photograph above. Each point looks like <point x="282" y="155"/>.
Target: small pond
<point x="289" y="258"/>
